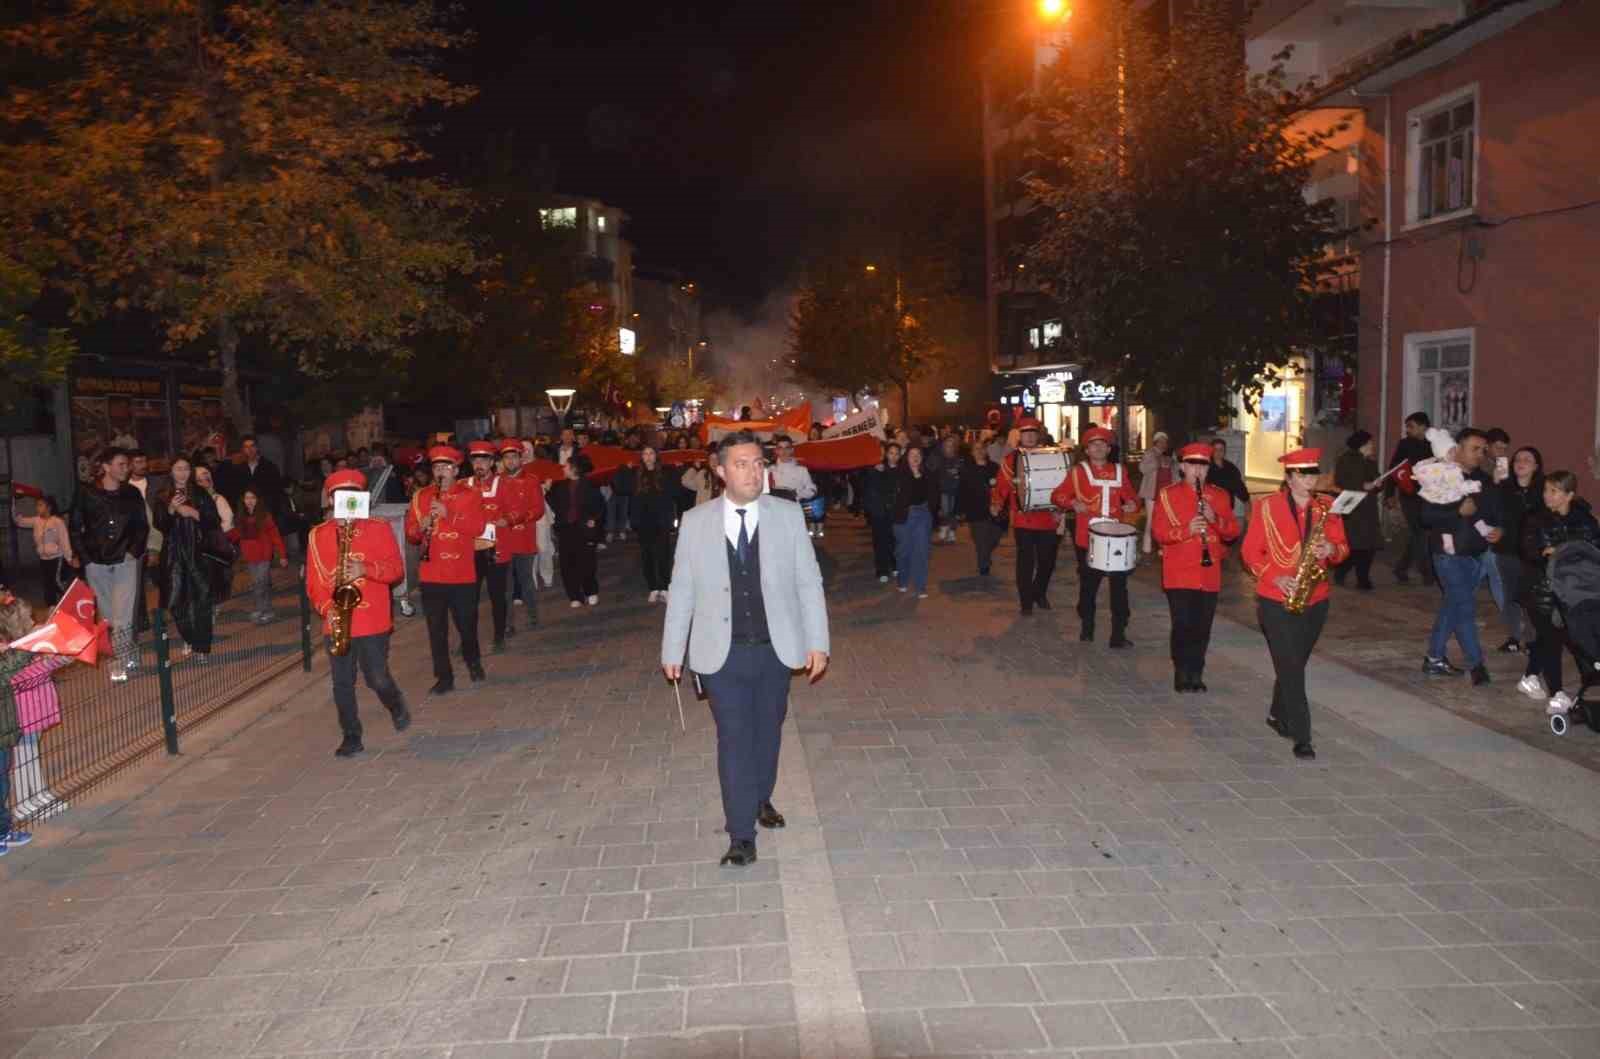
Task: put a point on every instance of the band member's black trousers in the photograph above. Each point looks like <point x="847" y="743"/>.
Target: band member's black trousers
<point x="443" y="604"/>
<point x="986" y="534"/>
<point x="575" y="547"/>
<point x="1036" y="561"/>
<point x="655" y="553"/>
<point x="371" y="654"/>
<point x="1089" y="594"/>
<point x="497" y="575"/>
<point x="1290" y="639"/>
<point x="1192" y="612"/>
<point x="882" y="544"/>
<point x="749" y="700"/>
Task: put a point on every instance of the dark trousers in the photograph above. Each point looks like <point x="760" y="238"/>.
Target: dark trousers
<point x="1361" y="562"/>
<point x="576" y="547"/>
<point x="986" y="536"/>
<point x="371" y="654"/>
<point x="523" y="583"/>
<point x="1192" y="613"/>
<point x="1089" y="594"/>
<point x="749" y="700"/>
<point x="497" y="575"/>
<point x="1291" y="639"/>
<point x="51" y="575"/>
<point x="1544" y="654"/>
<point x="1036" y="561"/>
<point x="1416" y="553"/>
<point x="882" y="544"/>
<point x="655" y="553"/>
<point x="442" y="604"/>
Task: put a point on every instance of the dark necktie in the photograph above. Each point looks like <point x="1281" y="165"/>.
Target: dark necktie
<point x="743" y="548"/>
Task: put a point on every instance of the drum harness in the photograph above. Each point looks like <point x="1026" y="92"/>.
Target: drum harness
<point x="1106" y="486"/>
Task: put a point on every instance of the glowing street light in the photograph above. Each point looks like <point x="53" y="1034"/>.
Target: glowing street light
<point x="560" y="399"/>
<point x="1054" y="10"/>
<point x="872" y="268"/>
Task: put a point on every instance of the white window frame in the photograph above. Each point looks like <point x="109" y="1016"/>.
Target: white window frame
<point x="1413" y="367"/>
<point x="1415" y="118"/>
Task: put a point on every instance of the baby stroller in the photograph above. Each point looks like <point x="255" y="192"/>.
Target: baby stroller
<point x="1575" y="576"/>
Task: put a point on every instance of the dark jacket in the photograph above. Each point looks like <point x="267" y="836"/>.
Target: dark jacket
<point x="1352" y="471"/>
<point x="977" y="479"/>
<point x="652" y="505"/>
<point x="949" y="474"/>
<point x="1439" y="519"/>
<point x="105" y="527"/>
<point x="878" y="492"/>
<point x="184" y="571"/>
<point x="912" y="490"/>
<point x="625" y="481"/>
<point x="1543" y="529"/>
<point x="590" y="505"/>
<point x="1227" y="477"/>
<point x="1414" y="449"/>
<point x="1519" y="503"/>
<point x="233" y="478"/>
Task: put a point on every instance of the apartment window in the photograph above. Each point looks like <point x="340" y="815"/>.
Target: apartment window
<point x="1443" y="156"/>
<point x="1051" y="332"/>
<point x="559" y="217"/>
<point x="599" y="222"/>
<point x="1440" y="377"/>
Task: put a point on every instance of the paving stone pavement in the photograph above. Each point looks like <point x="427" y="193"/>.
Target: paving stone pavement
<point x="1001" y="843"/>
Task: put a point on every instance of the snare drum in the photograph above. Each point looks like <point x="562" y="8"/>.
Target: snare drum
<point x="1039" y="471"/>
<point x="1113" y="546"/>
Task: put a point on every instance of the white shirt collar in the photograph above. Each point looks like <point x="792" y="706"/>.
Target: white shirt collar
<point x="730" y="518"/>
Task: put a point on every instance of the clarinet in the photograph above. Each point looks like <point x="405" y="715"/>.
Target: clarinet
<point x="1205" y="538"/>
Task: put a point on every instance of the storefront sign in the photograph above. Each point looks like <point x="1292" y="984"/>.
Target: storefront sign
<point x="1052" y="391"/>
<point x="626" y="341"/>
<point x="952" y="396"/>
<point x="1091" y="392"/>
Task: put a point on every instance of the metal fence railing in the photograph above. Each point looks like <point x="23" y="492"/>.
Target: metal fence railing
<point x="104" y="726"/>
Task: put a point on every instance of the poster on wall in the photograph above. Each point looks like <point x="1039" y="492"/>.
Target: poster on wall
<point x="1274" y="417"/>
<point x="201" y="422"/>
<point x="130" y="413"/>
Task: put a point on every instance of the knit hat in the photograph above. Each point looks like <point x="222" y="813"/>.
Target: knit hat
<point x="1441" y="442"/>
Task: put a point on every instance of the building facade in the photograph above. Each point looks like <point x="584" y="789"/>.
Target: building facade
<point x="666" y="315"/>
<point x="605" y="256"/>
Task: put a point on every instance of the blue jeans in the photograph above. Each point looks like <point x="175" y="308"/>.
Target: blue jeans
<point x="616" y="513"/>
<point x="913" y="540"/>
<point x="1458" y="577"/>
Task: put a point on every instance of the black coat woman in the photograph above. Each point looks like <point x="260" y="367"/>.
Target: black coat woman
<point x="652" y="509"/>
<point x="187" y="517"/>
<point x="1357" y="470"/>
<point x="1522" y="495"/>
<point x="1565" y="517"/>
<point x="580" y="513"/>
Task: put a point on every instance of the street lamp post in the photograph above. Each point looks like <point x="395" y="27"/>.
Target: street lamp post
<point x="560" y="399"/>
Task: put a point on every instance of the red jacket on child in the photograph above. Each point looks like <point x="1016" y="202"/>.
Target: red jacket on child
<point x="265" y="545"/>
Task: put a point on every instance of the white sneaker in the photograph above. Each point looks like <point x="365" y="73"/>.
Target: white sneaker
<point x="1532" y="686"/>
<point x="884" y="580"/>
<point x="592" y="600"/>
<point x="652" y="598"/>
<point x="821" y="530"/>
<point x="119" y="675"/>
<point x="922" y="595"/>
<point x="902" y="588"/>
<point x="575" y="603"/>
<point x="1560" y="703"/>
<point x="662" y="595"/>
<point x="600" y="545"/>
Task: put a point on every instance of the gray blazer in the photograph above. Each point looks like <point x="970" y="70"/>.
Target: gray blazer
<point x="700" y="602"/>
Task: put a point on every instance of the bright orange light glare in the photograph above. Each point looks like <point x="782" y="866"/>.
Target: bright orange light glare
<point x="1053" y="10"/>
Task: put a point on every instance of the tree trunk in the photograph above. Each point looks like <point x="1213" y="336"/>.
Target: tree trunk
<point x="905" y="402"/>
<point x="233" y="405"/>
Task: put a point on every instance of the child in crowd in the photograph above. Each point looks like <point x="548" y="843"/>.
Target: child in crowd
<point x="1441" y="480"/>
<point x="259" y="544"/>
<point x="52" y="544"/>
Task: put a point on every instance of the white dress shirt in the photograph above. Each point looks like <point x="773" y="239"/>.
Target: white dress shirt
<point x="730" y="519"/>
<point x="793" y="475"/>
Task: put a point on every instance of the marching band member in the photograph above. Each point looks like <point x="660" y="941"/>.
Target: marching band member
<point x="491" y="559"/>
<point x="1193" y="522"/>
<point x="443" y="520"/>
<point x="372" y="564"/>
<point x="1035" y="531"/>
<point x="1279" y="528"/>
<point x="520" y="538"/>
<point x="1098" y="489"/>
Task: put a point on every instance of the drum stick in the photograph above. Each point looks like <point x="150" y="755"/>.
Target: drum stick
<point x="677" y="694"/>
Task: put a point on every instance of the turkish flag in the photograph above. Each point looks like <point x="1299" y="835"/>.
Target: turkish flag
<point x="74" y="628"/>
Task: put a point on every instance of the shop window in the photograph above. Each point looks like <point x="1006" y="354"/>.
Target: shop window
<point x="1050" y="331"/>
<point x="559" y="217"/>
<point x="1439" y="381"/>
<point x="1441" y="157"/>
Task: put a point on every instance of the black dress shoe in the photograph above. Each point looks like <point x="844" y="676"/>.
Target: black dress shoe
<point x="498" y="647"/>
<point x="1278" y="726"/>
<point x="1480" y="676"/>
<point x="1027" y="610"/>
<point x="1041" y="602"/>
<point x="401" y="718"/>
<point x="1439" y="667"/>
<point x="1118" y="640"/>
<point x="1196" y="684"/>
<point x="1086" y="634"/>
<point x="475" y="671"/>
<point x="442" y="687"/>
<point x="769" y="817"/>
<point x="740" y="854"/>
<point x="350" y="747"/>
<point x="1305" y="752"/>
<point x="1180" y="682"/>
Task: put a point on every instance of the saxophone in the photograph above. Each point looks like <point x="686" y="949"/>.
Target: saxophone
<point x="1310" y="572"/>
<point x="346" y="593"/>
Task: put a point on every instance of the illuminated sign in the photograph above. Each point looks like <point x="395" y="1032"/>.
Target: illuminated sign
<point x="625" y="340"/>
<point x="1051" y="330"/>
<point x="952" y="396"/>
<point x="1091" y="392"/>
<point x="1052" y="391"/>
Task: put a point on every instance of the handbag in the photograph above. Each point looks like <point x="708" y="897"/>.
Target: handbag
<point x="216" y="547"/>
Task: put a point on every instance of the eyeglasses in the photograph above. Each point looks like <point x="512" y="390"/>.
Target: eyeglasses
<point x="1310" y="472"/>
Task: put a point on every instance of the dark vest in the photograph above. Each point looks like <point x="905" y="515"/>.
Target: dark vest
<point x="744" y="584"/>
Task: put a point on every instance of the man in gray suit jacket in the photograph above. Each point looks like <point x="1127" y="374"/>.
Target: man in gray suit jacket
<point x="746" y="600"/>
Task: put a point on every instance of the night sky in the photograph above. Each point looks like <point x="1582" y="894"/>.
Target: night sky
<point x="735" y="134"/>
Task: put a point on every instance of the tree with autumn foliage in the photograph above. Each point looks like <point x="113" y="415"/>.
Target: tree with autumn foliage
<point x="30" y="354"/>
<point x="1172" y="223"/>
<point x="245" y="171"/>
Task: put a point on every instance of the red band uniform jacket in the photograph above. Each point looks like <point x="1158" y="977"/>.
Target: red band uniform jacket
<point x="1005" y="496"/>
<point x="1272" y="543"/>
<point x="374" y="547"/>
<point x="449" y="559"/>
<point x="520" y="537"/>
<point x="1095" y="488"/>
<point x="1174" y="509"/>
<point x="502" y="499"/>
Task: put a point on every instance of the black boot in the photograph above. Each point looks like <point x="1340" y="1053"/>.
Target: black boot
<point x="1195" y="683"/>
<point x="1180" y="681"/>
<point x="741" y="853"/>
<point x="443" y="686"/>
<point x="1086" y="633"/>
<point x="475" y="671"/>
<point x="400" y="714"/>
<point x="350" y="747"/>
<point x="1118" y="639"/>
